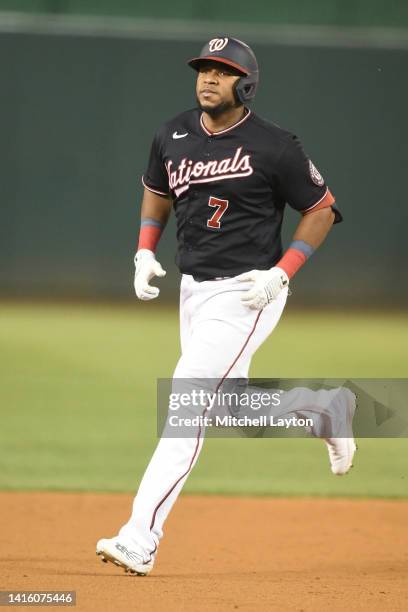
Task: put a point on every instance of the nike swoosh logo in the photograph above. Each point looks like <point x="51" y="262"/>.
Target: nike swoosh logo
<point x="175" y="135"/>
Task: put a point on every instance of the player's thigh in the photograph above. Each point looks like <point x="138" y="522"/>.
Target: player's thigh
<point x="268" y="320"/>
<point x="218" y="348"/>
<point x="224" y="336"/>
<point x="212" y="349"/>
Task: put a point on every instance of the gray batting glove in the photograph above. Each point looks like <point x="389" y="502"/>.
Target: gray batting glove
<point x="147" y="267"/>
<point x="267" y="285"/>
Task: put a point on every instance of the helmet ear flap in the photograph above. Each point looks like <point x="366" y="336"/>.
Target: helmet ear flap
<point x="236" y="92"/>
<point x="245" y="89"/>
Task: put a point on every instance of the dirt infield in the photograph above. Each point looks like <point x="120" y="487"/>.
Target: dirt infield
<point x="218" y="553"/>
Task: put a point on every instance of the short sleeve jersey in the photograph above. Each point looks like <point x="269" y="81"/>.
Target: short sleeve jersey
<point x="229" y="190"/>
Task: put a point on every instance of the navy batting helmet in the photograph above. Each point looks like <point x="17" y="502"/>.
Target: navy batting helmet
<point x="238" y="55"/>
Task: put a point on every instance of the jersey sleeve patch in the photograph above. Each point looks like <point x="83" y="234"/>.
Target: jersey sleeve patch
<point x="315" y="174"/>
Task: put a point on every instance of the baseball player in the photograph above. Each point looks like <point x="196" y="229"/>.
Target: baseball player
<point x="228" y="174"/>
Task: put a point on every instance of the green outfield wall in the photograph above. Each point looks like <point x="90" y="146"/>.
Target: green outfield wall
<point x="328" y="12"/>
<point x="78" y="115"/>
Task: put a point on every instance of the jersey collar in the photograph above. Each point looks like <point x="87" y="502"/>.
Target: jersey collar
<point x="232" y="127"/>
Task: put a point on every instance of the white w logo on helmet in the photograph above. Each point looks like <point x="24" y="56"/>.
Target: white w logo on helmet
<point x="217" y="44"/>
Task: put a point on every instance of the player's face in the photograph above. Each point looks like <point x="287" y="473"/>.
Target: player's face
<point x="214" y="88"/>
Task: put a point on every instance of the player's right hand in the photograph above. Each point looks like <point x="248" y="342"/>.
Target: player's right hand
<point x="146" y="268"/>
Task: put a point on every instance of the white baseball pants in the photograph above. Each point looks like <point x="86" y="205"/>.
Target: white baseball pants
<point x="218" y="338"/>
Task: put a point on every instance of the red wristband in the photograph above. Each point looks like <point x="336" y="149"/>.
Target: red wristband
<point x="291" y="261"/>
<point x="149" y="237"/>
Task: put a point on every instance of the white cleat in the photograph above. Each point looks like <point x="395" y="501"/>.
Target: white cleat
<point x="124" y="554"/>
<point x="341" y="450"/>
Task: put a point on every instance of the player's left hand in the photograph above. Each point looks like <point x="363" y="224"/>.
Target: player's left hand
<point x="267" y="286"/>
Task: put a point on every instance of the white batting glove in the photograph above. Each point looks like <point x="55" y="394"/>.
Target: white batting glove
<point x="267" y="286"/>
<point x="146" y="268"/>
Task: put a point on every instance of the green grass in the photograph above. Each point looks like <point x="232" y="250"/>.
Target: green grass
<point x="78" y="401"/>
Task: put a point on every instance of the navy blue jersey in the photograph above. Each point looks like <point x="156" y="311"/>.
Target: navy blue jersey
<point x="229" y="190"/>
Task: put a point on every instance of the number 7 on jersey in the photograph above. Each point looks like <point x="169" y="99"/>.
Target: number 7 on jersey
<point x="221" y="206"/>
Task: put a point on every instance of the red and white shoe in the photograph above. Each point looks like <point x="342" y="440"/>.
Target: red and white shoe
<point x="341" y="450"/>
<point x="124" y="554"/>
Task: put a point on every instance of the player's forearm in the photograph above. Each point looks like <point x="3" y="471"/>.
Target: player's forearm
<point x="314" y="227"/>
<point x="310" y="233"/>
<point x="154" y="216"/>
<point x="155" y="207"/>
